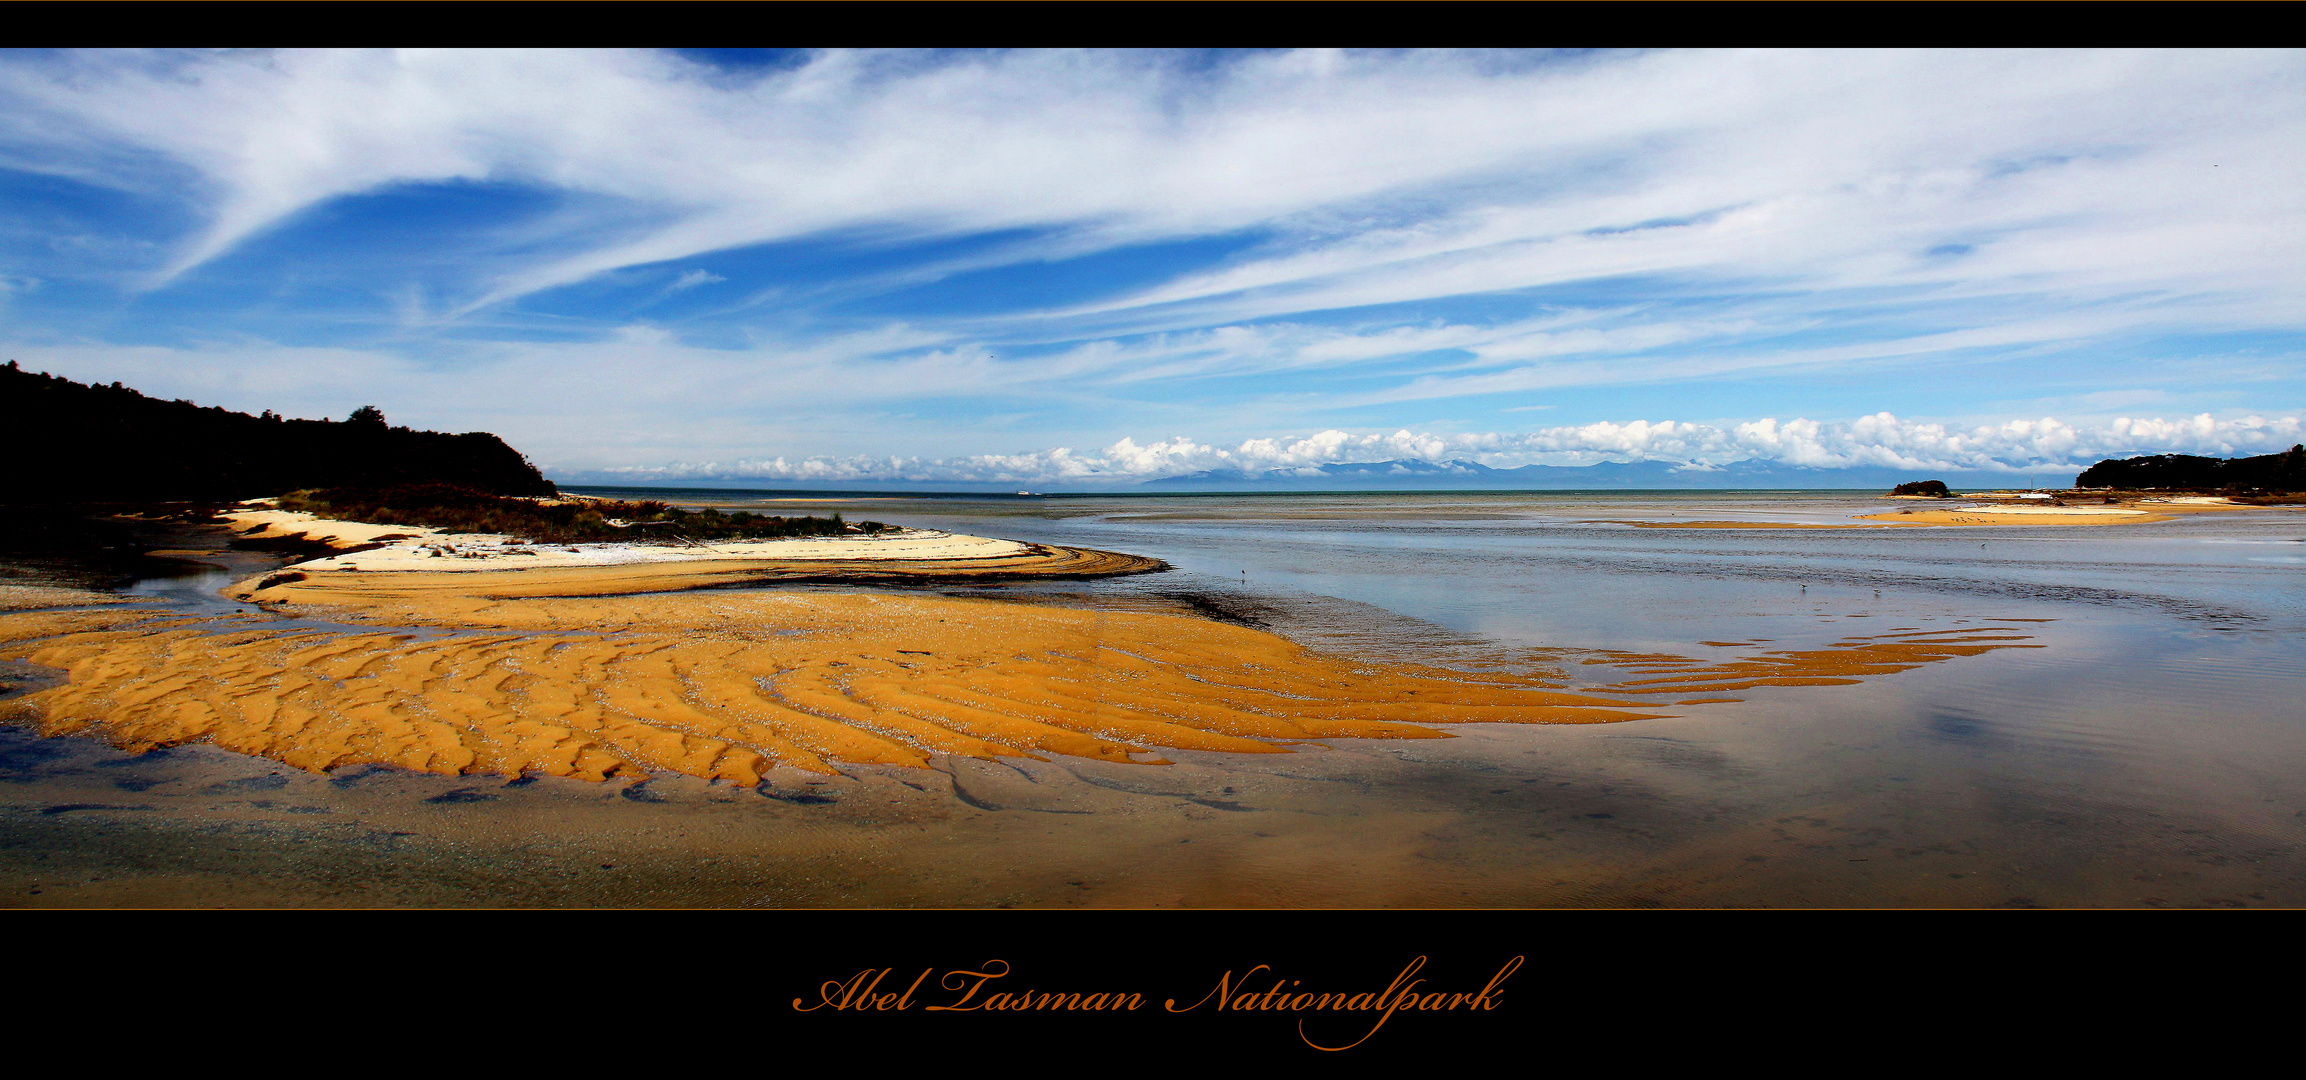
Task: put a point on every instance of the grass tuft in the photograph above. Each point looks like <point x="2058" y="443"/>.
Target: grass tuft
<point x="461" y="509"/>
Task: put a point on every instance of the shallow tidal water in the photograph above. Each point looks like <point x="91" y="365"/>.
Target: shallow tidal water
<point x="2152" y="751"/>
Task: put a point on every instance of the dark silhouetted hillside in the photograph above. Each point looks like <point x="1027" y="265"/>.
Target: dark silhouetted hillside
<point x="65" y="442"/>
<point x="2285" y="471"/>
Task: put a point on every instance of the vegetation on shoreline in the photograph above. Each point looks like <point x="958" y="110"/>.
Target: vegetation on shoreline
<point x="1935" y="488"/>
<point x="76" y="443"/>
<point x="2270" y="474"/>
<point x="461" y="509"/>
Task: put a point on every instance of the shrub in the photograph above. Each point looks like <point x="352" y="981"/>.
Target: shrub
<point x="462" y="509"/>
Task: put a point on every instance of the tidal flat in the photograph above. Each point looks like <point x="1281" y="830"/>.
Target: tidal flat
<point x="2109" y="718"/>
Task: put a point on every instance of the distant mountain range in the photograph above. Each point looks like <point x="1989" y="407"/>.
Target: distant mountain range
<point x="1405" y="476"/>
<point x="1607" y="475"/>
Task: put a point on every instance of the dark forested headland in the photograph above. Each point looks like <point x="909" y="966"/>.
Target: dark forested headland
<point x="2283" y="472"/>
<point x="67" y="442"/>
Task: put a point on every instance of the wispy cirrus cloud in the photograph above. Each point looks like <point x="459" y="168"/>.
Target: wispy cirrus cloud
<point x="982" y="251"/>
<point x="1383" y="178"/>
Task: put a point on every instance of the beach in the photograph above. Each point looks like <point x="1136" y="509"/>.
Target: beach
<point x="584" y="661"/>
<point x="1419" y="700"/>
<point x="408" y="560"/>
<point x="2022" y="516"/>
<point x="1989" y="509"/>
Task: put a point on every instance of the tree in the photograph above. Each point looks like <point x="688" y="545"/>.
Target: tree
<point x="367" y="414"/>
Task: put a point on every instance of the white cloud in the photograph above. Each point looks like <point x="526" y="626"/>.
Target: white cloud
<point x="2015" y="446"/>
<point x="1705" y="216"/>
<point x="691" y="279"/>
<point x="642" y="397"/>
<point x="1382" y="178"/>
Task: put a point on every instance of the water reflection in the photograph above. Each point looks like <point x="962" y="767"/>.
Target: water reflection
<point x="2151" y="755"/>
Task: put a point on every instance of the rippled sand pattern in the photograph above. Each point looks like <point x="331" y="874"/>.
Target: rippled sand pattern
<point x="728" y="686"/>
<point x="1841" y="663"/>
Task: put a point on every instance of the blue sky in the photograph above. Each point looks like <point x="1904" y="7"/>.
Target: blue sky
<point x="1093" y="269"/>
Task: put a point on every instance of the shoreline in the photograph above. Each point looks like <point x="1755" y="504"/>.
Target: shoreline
<point x="435" y="676"/>
<point x="2022" y="515"/>
<point x="1853" y="793"/>
<point x="1964" y="512"/>
<point x="604" y="670"/>
<point x="1997" y="510"/>
<point x="385" y="560"/>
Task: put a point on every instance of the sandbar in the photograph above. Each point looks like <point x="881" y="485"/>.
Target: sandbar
<point x="730" y="685"/>
<point x="31" y="597"/>
<point x="406" y="560"/>
<point x="1959" y="515"/>
<point x="1764" y="525"/>
<point x="599" y="667"/>
<point x="2022" y="515"/>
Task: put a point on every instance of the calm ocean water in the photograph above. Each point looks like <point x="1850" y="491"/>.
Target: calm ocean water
<point x="2152" y="753"/>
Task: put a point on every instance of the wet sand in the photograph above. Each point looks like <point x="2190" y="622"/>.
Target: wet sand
<point x="1956" y="515"/>
<point x="1768" y="525"/>
<point x="2000" y="510"/>
<point x="2142" y="758"/>
<point x="33" y="597"/>
<point x="458" y="677"/>
<point x="1955" y="512"/>
<point x="323" y="580"/>
<point x="2022" y="515"/>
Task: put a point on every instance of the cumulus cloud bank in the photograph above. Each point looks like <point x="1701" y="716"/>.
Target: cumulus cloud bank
<point x="1881" y="440"/>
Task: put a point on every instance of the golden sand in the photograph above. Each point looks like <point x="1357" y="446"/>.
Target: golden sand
<point x="1844" y="662"/>
<point x="2192" y="504"/>
<point x="270" y="524"/>
<point x="1762" y="525"/>
<point x="2129" y="512"/>
<point x="2022" y="515"/>
<point x="912" y="552"/>
<point x="470" y="673"/>
<point x="27" y="597"/>
<point x="726" y="686"/>
<point x="1998" y="515"/>
<point x="407" y="561"/>
<point x="1961" y="515"/>
<point x="342" y="577"/>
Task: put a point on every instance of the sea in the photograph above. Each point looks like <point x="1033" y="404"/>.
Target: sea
<point x="2148" y="749"/>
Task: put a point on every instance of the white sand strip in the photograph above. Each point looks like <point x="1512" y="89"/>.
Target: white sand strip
<point x="436" y="551"/>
